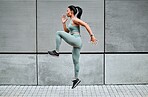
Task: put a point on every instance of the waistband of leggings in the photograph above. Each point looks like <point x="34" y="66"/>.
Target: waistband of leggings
<point x="75" y="33"/>
<point x="78" y="35"/>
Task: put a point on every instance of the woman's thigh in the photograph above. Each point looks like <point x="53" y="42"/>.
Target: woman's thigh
<point x="70" y="39"/>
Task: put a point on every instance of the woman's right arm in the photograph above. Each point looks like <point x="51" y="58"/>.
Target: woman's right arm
<point x="64" y="19"/>
<point x="65" y="28"/>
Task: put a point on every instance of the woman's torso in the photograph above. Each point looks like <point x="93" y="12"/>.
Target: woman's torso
<point x="73" y="29"/>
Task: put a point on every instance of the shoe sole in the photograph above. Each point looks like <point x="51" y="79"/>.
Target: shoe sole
<point x="76" y="84"/>
<point x="53" y="55"/>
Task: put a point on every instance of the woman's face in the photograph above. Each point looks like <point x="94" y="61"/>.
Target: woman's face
<point x="69" y="12"/>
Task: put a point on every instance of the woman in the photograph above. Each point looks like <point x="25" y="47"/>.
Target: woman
<point x="71" y="35"/>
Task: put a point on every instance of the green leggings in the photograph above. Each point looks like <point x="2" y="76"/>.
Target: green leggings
<point x="73" y="40"/>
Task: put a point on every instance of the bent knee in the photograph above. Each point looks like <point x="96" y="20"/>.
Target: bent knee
<point x="76" y="62"/>
<point x="59" y="32"/>
<point x="77" y="70"/>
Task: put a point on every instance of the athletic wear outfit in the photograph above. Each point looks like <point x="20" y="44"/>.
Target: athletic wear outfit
<point x="74" y="39"/>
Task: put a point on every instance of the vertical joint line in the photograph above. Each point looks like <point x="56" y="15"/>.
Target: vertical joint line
<point x="104" y="49"/>
<point x="36" y="45"/>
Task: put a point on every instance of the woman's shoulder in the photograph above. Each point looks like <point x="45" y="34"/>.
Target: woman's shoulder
<point x="76" y="20"/>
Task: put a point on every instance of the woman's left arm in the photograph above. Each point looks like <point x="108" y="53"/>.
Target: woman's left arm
<point x="82" y="23"/>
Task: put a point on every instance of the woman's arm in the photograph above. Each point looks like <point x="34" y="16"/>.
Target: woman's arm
<point x="80" y="22"/>
<point x="65" y="28"/>
<point x="64" y="19"/>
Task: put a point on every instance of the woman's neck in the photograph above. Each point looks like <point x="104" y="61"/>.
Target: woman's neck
<point x="72" y="17"/>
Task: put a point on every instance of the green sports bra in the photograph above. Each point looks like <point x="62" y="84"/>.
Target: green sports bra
<point x="72" y="29"/>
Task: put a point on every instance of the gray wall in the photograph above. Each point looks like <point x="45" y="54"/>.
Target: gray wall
<point x="126" y="26"/>
<point x="125" y="31"/>
<point x="17" y="26"/>
<point x="126" y="68"/>
<point x="18" y="69"/>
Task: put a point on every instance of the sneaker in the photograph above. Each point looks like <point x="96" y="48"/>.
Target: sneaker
<point x="53" y="53"/>
<point x="75" y="83"/>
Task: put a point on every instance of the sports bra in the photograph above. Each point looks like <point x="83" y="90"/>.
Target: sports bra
<point x="72" y="29"/>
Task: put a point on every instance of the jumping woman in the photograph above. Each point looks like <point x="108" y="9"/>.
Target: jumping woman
<point x="71" y="35"/>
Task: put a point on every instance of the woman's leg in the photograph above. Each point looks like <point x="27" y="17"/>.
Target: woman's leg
<point x="75" y="57"/>
<point x="70" y="39"/>
<point x="75" y="42"/>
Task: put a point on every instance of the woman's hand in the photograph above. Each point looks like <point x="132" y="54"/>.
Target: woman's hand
<point x="93" y="40"/>
<point x="64" y="19"/>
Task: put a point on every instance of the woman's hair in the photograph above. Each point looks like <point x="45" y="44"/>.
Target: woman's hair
<point x="76" y="9"/>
